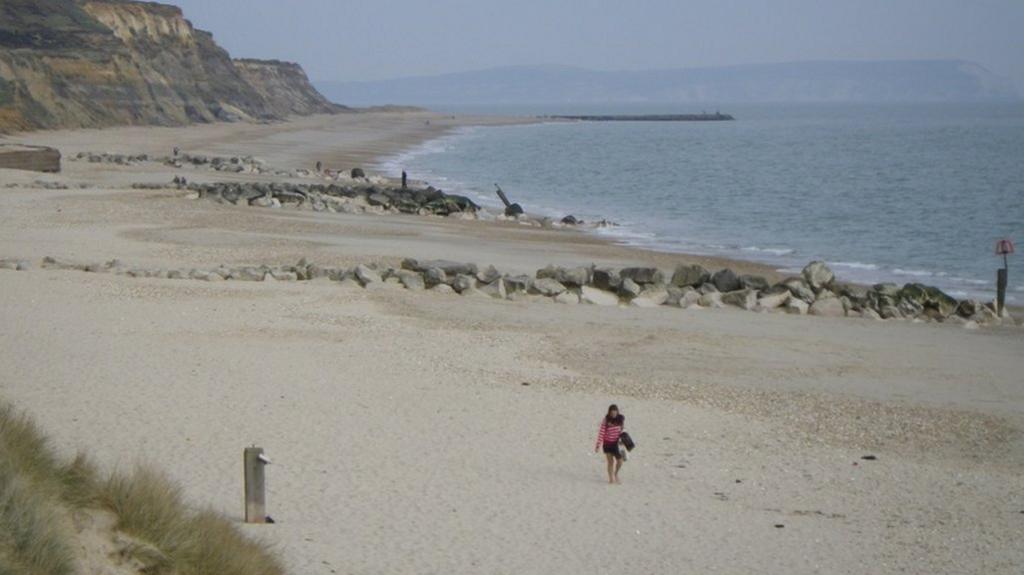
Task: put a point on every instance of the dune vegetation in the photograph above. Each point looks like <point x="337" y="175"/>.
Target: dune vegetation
<point x="158" y="532"/>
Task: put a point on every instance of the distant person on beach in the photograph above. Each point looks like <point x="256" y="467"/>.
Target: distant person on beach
<point x="319" y="166"/>
<point x="608" y="441"/>
<point x="405" y="179"/>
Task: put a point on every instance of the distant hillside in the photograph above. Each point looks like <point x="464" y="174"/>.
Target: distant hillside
<point x="875" y="81"/>
<point x="94" y="63"/>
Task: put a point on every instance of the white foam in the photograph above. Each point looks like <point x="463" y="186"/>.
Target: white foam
<point x="395" y="163"/>
<point x="772" y="251"/>
<point x="914" y="273"/>
<point x="854" y="265"/>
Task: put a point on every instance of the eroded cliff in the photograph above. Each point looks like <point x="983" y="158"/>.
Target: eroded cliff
<point x="95" y="63"/>
<point x="283" y="85"/>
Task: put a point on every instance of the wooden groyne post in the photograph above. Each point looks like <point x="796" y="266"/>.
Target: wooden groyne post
<point x="1003" y="248"/>
<point x="511" y="209"/>
<point x="502" y="196"/>
<point x="255" y="485"/>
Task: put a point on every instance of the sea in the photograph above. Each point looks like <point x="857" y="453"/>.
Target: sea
<point x="882" y="193"/>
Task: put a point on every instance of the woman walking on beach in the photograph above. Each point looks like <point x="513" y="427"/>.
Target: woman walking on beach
<point x="608" y="441"/>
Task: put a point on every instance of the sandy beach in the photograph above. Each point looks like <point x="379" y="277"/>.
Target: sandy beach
<point x="413" y="432"/>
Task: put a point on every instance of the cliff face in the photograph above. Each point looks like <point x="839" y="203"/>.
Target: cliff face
<point x="95" y="63"/>
<point x="283" y="85"/>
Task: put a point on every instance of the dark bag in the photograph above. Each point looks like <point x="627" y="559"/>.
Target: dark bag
<point x="627" y="441"/>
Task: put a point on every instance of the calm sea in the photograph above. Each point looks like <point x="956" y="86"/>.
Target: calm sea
<point x="898" y="193"/>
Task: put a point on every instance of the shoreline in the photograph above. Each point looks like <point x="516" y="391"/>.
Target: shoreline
<point x="216" y="138"/>
<point x="774" y="271"/>
<point x="418" y="128"/>
<point x="377" y="147"/>
<point x="644" y="255"/>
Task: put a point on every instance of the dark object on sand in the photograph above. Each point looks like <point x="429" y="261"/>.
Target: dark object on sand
<point x="779" y="526"/>
<point x="358" y="173"/>
<point x="405" y="180"/>
<point x="32" y="158"/>
<point x="511" y="210"/>
<point x="869" y="458"/>
<point x="319" y="166"/>
<point x="627" y="441"/>
<point x="1004" y="248"/>
<point x="571" y="221"/>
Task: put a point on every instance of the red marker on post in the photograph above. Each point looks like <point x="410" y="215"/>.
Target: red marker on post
<point x="1003" y="248"/>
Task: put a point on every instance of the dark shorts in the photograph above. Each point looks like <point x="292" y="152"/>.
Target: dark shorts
<point x="612" y="449"/>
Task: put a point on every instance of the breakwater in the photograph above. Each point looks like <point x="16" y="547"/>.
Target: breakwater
<point x="716" y="117"/>
<point x="814" y="292"/>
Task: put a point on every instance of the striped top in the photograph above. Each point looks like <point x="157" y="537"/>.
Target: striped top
<point x="609" y="433"/>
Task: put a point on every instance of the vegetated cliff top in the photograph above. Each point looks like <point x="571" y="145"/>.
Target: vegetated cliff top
<point x="96" y="63"/>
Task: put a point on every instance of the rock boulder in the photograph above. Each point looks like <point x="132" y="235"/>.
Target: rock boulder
<point x="651" y="296"/>
<point x="818" y="275"/>
<point x="726" y="280"/>
<point x="828" y="307"/>
<point x="795" y="305"/>
<point x="547" y="287"/>
<point x="643" y="275"/>
<point x="692" y="275"/>
<point x="798" y="288"/>
<point x="606" y="279"/>
<point x="752" y="282"/>
<point x="594" y="296"/>
<point x="366" y="275"/>
<point x="629" y="289"/>
<point x="742" y="298"/>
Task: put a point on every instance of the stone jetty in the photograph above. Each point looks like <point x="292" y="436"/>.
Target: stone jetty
<point x="336" y="197"/>
<point x="716" y="117"/>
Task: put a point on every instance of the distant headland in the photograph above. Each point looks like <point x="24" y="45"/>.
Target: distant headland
<point x="876" y="81"/>
<point x="716" y="117"/>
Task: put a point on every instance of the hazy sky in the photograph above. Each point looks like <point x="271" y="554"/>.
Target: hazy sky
<point x="376" y="39"/>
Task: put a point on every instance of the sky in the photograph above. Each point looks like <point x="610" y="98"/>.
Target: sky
<point x="379" y="39"/>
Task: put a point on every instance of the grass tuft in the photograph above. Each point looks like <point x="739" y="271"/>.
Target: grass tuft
<point x="150" y="508"/>
<point x="147" y="506"/>
<point x="38" y="492"/>
<point x="27" y="449"/>
<point x="79" y="482"/>
<point x="33" y="537"/>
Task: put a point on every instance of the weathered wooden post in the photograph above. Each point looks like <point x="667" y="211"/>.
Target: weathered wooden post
<point x="502" y="196"/>
<point x="511" y="210"/>
<point x="1003" y="248"/>
<point x="255" y="485"/>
